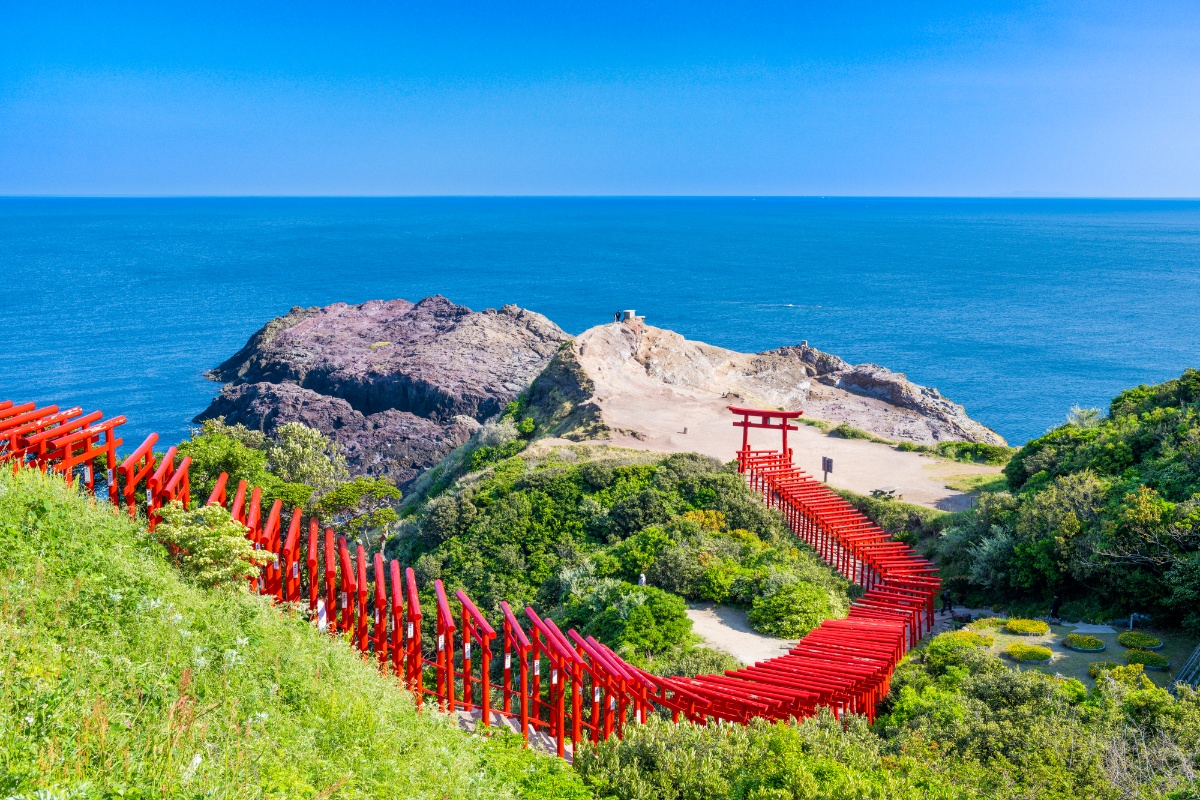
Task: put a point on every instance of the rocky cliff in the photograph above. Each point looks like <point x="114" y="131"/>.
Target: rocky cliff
<point x="626" y="377"/>
<point x="397" y="384"/>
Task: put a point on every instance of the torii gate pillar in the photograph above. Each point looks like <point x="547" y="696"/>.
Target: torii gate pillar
<point x="767" y="418"/>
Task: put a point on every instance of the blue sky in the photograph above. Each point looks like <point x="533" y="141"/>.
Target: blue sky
<point x="976" y="99"/>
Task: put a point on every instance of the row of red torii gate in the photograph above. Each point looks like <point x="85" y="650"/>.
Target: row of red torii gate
<point x="556" y="686"/>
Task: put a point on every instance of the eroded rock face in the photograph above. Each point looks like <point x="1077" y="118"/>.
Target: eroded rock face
<point x="397" y="384"/>
<point x="635" y="373"/>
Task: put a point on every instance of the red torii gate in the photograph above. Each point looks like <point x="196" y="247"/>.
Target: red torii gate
<point x="766" y="419"/>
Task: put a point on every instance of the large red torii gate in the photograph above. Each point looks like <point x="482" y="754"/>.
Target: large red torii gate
<point x="766" y="419"/>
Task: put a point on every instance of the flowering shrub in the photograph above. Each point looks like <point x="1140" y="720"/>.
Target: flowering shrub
<point x="970" y="638"/>
<point x="1027" y="627"/>
<point x="1028" y="652"/>
<point x="1139" y="640"/>
<point x="989" y="622"/>
<point x="1081" y="641"/>
<point x="1146" y="658"/>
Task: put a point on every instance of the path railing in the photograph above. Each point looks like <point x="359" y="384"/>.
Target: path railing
<point x="559" y="686"/>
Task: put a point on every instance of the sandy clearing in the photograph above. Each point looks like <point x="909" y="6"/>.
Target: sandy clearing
<point x="663" y="393"/>
<point x="658" y="423"/>
<point x="725" y="628"/>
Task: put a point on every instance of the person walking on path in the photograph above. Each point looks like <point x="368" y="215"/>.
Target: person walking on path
<point x="947" y="602"/>
<point x="1055" y="605"/>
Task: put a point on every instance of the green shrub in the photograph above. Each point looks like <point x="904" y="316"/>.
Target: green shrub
<point x="989" y="622"/>
<point x="1147" y="658"/>
<point x="818" y="758"/>
<point x="1095" y="668"/>
<point x="970" y="637"/>
<point x="791" y="611"/>
<point x="976" y="452"/>
<point x="1138" y="640"/>
<point x="1084" y="642"/>
<point x="1027" y="652"/>
<point x="208" y="547"/>
<point x="1027" y="627"/>
<point x="847" y="431"/>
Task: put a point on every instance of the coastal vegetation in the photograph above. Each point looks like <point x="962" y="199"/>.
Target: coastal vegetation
<point x="576" y="530"/>
<point x="125" y="677"/>
<point x="1102" y="511"/>
<point x="297" y="464"/>
<point x="958" y="723"/>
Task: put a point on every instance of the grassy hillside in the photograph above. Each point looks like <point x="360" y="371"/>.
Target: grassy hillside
<point x="120" y="680"/>
<point x="1103" y="510"/>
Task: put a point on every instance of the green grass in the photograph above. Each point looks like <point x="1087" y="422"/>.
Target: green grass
<point x="120" y="679"/>
<point x="847" y="431"/>
<point x="977" y="484"/>
<point x="824" y="426"/>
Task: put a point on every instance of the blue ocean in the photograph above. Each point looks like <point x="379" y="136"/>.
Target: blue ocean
<point x="1018" y="309"/>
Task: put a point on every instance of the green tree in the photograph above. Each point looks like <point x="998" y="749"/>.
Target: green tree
<point x="361" y="506"/>
<point x="300" y="454"/>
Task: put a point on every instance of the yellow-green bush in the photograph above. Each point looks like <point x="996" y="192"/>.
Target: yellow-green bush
<point x="1027" y="627"/>
<point x="1147" y="658"/>
<point x="1027" y="652"/>
<point x="1139" y="640"/>
<point x="1095" y="668"/>
<point x="971" y="638"/>
<point x="1082" y="641"/>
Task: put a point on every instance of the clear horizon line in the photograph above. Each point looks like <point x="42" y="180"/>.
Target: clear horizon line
<point x="564" y="196"/>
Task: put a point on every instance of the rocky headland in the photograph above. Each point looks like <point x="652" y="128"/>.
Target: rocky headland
<point x="611" y="370"/>
<point x="399" y="384"/>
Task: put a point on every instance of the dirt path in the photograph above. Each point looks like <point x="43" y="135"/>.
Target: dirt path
<point x="725" y="628"/>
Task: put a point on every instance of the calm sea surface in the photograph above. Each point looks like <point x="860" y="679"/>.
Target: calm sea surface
<point x="1017" y="309"/>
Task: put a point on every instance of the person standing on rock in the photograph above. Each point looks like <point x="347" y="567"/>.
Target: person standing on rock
<point x="641" y="579"/>
<point x="617" y="317"/>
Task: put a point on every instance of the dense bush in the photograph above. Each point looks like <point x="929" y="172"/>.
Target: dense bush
<point x="1082" y="641"/>
<point x="1095" y="668"/>
<point x="1027" y="627"/>
<point x="208" y="547"/>
<point x="1142" y="641"/>
<point x="970" y="638"/>
<point x="976" y="452"/>
<point x="1104" y="508"/>
<point x="1028" y="652"/>
<point x="1146" y="658"/>
<point x="958" y="723"/>
<point x="293" y="467"/>
<point x="120" y="679"/>
<point x="791" y="610"/>
<point x="573" y="536"/>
